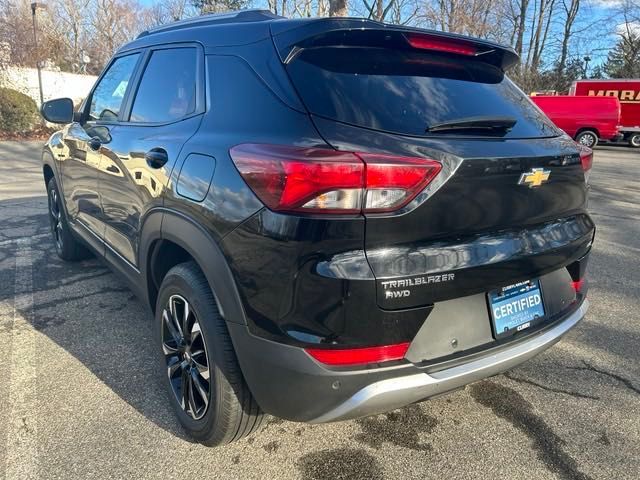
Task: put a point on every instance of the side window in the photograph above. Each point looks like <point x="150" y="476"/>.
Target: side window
<point x="108" y="95"/>
<point x="167" y="90"/>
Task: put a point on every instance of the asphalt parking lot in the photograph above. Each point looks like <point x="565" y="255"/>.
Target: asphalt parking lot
<point x="80" y="396"/>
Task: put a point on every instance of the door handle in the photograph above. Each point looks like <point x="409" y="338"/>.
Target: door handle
<point x="156" y="157"/>
<point x="95" y="143"/>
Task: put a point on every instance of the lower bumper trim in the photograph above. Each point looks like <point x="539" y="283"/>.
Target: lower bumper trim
<point x="389" y="394"/>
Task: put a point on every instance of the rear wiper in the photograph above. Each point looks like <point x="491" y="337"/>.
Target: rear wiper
<point x="476" y="124"/>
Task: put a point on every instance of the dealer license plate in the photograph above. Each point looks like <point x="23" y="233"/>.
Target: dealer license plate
<point x="516" y="307"/>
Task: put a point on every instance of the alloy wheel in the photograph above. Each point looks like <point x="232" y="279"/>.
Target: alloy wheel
<point x="587" y="140"/>
<point x="55" y="217"/>
<point x="186" y="358"/>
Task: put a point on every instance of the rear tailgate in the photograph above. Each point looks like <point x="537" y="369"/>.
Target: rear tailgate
<point x="488" y="219"/>
<point x="480" y="229"/>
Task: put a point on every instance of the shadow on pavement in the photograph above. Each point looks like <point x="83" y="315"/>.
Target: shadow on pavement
<point x="89" y="312"/>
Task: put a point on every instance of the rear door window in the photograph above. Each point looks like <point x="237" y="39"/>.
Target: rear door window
<point x="167" y="91"/>
<point x="405" y="92"/>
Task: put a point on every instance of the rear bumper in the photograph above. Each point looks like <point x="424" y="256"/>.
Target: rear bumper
<point x="397" y="392"/>
<point x="289" y="384"/>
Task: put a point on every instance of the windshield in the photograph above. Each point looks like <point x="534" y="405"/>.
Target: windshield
<point x="406" y="92"/>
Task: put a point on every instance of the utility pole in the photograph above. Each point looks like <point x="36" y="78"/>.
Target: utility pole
<point x="34" y="7"/>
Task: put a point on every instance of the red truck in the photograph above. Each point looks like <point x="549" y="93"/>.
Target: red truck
<point x="585" y="119"/>
<point x="627" y="91"/>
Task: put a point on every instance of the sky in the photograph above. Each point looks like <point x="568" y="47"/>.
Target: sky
<point x="596" y="22"/>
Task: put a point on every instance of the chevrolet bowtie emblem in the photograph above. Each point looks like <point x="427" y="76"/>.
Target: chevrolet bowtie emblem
<point x="534" y="178"/>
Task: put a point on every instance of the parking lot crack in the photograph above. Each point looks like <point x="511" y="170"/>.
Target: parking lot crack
<point x="625" y="381"/>
<point x="550" y="389"/>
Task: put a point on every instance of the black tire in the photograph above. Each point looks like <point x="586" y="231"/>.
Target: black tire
<point x="587" y="138"/>
<point x="68" y="247"/>
<point x="634" y="140"/>
<point x="231" y="412"/>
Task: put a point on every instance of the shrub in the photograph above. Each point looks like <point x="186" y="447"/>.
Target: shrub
<point x="18" y="112"/>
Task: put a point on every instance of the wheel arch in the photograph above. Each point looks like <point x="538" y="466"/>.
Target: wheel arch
<point x="587" y="129"/>
<point x="630" y="138"/>
<point x="170" y="238"/>
<point x="48" y="171"/>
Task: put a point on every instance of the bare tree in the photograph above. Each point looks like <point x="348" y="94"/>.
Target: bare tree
<point x="404" y="12"/>
<point x="16" y="32"/>
<point x="299" y="8"/>
<point x="479" y="18"/>
<point x="113" y="23"/>
<point x="543" y="12"/>
<point x="302" y="8"/>
<point x="322" y="9"/>
<point x="219" y="6"/>
<point x="71" y="26"/>
<point x="571" y="9"/>
<point x="338" y="8"/>
<point x="521" y="10"/>
<point x="630" y="10"/>
<point x="170" y="11"/>
<point x="551" y="36"/>
<point x="377" y="9"/>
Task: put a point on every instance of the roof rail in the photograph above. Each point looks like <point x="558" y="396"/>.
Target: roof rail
<point x="255" y="15"/>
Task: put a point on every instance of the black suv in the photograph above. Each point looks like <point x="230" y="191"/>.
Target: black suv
<point x="329" y="218"/>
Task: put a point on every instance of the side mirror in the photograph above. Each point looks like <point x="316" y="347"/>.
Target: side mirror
<point x="59" y="110"/>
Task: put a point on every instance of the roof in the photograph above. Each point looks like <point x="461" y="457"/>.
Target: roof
<point x="247" y="27"/>
<point x="213" y="20"/>
<point x="227" y="29"/>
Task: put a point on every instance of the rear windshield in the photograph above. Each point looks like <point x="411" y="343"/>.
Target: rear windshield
<point x="406" y="92"/>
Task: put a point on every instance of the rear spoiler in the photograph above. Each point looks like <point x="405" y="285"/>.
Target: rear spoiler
<point x="292" y="37"/>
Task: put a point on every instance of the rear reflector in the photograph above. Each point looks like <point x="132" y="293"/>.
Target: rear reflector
<point x="440" y="44"/>
<point x="577" y="285"/>
<point x="314" y="180"/>
<point x="359" y="356"/>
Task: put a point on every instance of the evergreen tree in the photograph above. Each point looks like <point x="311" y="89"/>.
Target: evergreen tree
<point x="598" y="72"/>
<point x="623" y="60"/>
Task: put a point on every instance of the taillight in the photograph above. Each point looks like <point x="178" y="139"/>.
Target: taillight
<point x="586" y="158"/>
<point x="314" y="180"/>
<point x="392" y="182"/>
<point x="359" y="356"/>
<point x="441" y="44"/>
